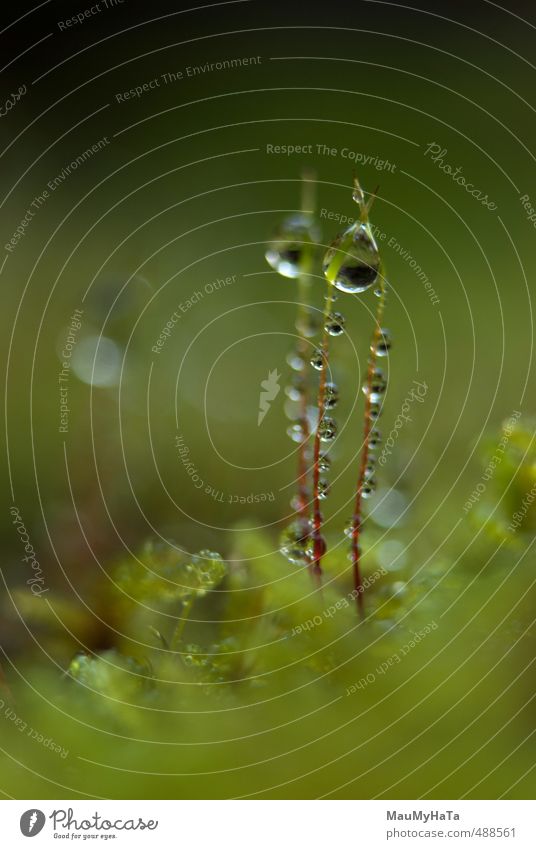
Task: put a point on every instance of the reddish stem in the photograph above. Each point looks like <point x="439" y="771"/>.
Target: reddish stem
<point x="356" y="519"/>
<point x="303" y="489"/>
<point x="319" y="545"/>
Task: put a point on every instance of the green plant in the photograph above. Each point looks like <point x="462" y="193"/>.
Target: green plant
<point x="351" y="265"/>
<point x="291" y="253"/>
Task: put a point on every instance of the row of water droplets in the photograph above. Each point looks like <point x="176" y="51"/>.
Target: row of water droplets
<point x="292" y="253"/>
<point x="351" y="265"/>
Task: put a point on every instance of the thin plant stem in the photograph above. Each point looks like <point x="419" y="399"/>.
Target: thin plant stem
<point x="319" y="546"/>
<point x="303" y="488"/>
<point x="304" y="281"/>
<point x="178" y="632"/>
<point x="357" y="517"/>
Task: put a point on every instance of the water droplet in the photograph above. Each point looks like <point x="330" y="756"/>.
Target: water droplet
<point x="295" y="390"/>
<point x="369" y="469"/>
<point x="352" y="262"/>
<point x="331" y="396"/>
<point x="392" y="555"/>
<point x="374" y="411"/>
<point x="195" y="656"/>
<point x="323" y="489"/>
<point x="312" y="418"/>
<point x="383" y="345"/>
<point x="205" y="571"/>
<point x="349" y="528"/>
<point x="368" y="488"/>
<point x="291" y="252"/>
<point x="375" y="438"/>
<point x="295" y="541"/>
<point x="390" y="508"/>
<point x="295" y="360"/>
<point x="324" y="463"/>
<point x="317" y="359"/>
<point x="308" y="324"/>
<point x="296" y="502"/>
<point x="375" y="387"/>
<point x="334" y="324"/>
<point x="96" y="360"/>
<point x="292" y="410"/>
<point x="327" y="429"/>
<point x="296" y="432"/>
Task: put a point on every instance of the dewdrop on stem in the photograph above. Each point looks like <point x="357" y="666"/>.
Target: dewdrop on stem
<point x="374" y="389"/>
<point x="352" y="262"/>
<point x="291" y="253"/>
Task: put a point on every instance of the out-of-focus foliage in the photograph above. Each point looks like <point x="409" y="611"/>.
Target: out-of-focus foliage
<point x="246" y="670"/>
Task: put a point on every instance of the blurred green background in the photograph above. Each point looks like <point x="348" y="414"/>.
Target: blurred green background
<point x="184" y="193"/>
